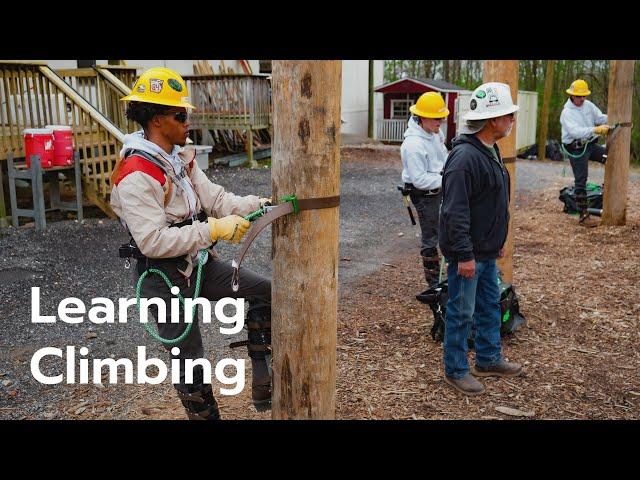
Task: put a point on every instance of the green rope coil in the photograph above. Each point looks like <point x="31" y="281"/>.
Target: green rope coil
<point x="148" y="328"/>
<point x="567" y="154"/>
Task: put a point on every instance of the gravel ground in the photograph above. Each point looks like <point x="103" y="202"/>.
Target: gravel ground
<point x="71" y="259"/>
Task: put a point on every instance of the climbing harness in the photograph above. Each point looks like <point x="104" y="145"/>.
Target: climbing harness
<point x="567" y="154"/>
<point x="202" y="254"/>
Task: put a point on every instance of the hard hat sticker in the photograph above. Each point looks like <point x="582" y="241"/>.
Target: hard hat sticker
<point x="141" y="88"/>
<point x="155" y="85"/>
<point x="173" y="83"/>
<point x="480" y="94"/>
<point x="473" y="104"/>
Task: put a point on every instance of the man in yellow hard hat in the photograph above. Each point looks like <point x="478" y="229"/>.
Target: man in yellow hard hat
<point x="581" y="123"/>
<point x="173" y="211"/>
<point x="423" y="155"/>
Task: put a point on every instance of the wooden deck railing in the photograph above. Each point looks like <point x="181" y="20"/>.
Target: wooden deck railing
<point x="391" y="130"/>
<point x="102" y="89"/>
<point x="33" y="96"/>
<point x="230" y="101"/>
<point x="127" y="75"/>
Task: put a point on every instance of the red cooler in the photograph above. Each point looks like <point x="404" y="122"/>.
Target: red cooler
<point x="39" y="141"/>
<point x="62" y="145"/>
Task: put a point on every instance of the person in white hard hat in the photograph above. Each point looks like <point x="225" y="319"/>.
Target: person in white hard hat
<point x="474" y="220"/>
<point x="423" y="155"/>
<point x="581" y="123"/>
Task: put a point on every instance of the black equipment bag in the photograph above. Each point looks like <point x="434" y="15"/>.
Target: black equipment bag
<point x="436" y="298"/>
<point x="568" y="196"/>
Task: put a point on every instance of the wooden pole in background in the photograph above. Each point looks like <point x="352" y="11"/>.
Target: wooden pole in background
<point x="370" y="125"/>
<point x="506" y="71"/>
<point x="544" y="116"/>
<point x="616" y="172"/>
<point x="306" y="162"/>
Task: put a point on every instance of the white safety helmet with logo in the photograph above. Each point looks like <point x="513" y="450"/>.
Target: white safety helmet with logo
<point x="490" y="100"/>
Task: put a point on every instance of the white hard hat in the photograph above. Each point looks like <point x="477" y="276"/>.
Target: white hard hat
<point x="490" y="100"/>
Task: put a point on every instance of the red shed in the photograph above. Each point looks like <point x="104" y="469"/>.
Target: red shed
<point x="401" y="94"/>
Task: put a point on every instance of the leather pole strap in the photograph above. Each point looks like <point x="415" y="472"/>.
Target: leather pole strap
<point x="275" y="213"/>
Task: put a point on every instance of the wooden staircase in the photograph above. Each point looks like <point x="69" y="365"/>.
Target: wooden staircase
<point x="33" y="95"/>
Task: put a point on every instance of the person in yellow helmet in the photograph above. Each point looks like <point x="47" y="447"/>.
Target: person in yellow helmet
<point x="581" y="123"/>
<point x="423" y="155"/>
<point x="172" y="211"/>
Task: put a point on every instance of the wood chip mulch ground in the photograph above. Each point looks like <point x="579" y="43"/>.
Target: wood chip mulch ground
<point x="578" y="289"/>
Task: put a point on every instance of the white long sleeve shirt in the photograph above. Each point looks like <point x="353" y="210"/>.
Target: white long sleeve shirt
<point x="579" y="122"/>
<point x="423" y="156"/>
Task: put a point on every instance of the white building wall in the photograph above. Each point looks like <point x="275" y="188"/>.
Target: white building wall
<point x="525" y="118"/>
<point x="355" y="95"/>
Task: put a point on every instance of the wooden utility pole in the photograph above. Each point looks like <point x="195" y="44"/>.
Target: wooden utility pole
<point x="544" y="116"/>
<point x="306" y="162"/>
<point x="370" y="125"/>
<point x="506" y="71"/>
<point x="616" y="173"/>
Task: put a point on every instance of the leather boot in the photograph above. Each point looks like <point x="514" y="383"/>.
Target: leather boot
<point x="259" y="347"/>
<point x="467" y="385"/>
<point x="431" y="265"/>
<point x="198" y="399"/>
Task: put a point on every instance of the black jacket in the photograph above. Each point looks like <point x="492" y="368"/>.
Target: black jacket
<point x="474" y="217"/>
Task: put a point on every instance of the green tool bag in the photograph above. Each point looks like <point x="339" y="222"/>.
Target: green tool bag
<point x="436" y="298"/>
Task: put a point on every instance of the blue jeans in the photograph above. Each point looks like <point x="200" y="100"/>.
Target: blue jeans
<point x="472" y="300"/>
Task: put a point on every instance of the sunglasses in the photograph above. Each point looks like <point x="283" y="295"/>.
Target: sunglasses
<point x="179" y="116"/>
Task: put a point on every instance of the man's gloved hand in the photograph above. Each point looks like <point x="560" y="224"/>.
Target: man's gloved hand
<point x="264" y="201"/>
<point x="601" y="129"/>
<point x="230" y="228"/>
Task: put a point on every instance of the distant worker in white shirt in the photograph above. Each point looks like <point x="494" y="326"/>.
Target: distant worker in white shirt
<point x="423" y="155"/>
<point x="582" y="122"/>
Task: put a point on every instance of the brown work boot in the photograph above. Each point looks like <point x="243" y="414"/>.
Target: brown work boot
<point x="467" y="385"/>
<point x="500" y="369"/>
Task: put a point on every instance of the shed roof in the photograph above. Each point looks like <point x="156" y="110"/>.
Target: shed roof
<point x="439" y="85"/>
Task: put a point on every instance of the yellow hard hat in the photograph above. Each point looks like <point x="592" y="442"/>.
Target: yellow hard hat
<point x="430" y="105"/>
<point x="162" y="86"/>
<point x="579" y="88"/>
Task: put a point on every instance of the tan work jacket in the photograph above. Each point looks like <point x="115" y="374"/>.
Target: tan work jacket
<point x="148" y="206"/>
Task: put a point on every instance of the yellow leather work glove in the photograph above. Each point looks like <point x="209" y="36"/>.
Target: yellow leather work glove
<point x="601" y="129"/>
<point x="230" y="228"/>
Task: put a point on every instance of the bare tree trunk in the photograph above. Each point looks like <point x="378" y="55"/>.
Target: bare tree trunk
<point x="544" y="116"/>
<point x="616" y="174"/>
<point x="506" y="71"/>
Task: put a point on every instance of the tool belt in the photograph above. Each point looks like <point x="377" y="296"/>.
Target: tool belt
<point x="408" y="187"/>
<point x="579" y="144"/>
<point x="130" y="250"/>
